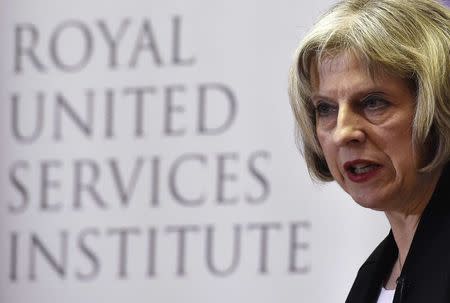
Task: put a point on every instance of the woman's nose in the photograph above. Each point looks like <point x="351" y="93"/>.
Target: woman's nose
<point x="349" y="127"/>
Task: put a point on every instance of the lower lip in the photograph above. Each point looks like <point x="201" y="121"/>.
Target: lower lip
<point x="360" y="178"/>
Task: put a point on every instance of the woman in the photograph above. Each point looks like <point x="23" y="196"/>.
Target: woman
<point x="370" y="90"/>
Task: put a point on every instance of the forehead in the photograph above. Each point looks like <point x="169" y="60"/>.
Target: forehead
<point x="347" y="77"/>
<point x="343" y="71"/>
<point x="341" y="61"/>
<point x="326" y="65"/>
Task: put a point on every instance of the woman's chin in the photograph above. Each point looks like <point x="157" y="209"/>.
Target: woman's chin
<point x="371" y="202"/>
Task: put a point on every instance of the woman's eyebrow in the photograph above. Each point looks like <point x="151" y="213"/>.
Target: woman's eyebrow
<point x="376" y="92"/>
<point x="357" y="95"/>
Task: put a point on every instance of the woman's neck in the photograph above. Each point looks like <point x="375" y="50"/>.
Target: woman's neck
<point x="403" y="228"/>
<point x="404" y="221"/>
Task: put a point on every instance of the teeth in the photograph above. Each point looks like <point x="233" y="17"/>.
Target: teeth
<point x="362" y="169"/>
<point x="360" y="165"/>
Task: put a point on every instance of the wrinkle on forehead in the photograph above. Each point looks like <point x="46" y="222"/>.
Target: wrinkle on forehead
<point x="332" y="63"/>
<point x="344" y="61"/>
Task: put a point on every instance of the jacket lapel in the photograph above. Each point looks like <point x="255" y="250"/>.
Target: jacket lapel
<point x="373" y="272"/>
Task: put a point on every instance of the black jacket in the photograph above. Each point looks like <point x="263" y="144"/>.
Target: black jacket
<point x="425" y="274"/>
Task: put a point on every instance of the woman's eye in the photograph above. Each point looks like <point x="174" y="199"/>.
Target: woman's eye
<point x="324" y="109"/>
<point x="374" y="103"/>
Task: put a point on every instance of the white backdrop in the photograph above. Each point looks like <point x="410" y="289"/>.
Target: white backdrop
<point x="148" y="155"/>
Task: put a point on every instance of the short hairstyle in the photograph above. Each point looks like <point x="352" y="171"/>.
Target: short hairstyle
<point x="406" y="38"/>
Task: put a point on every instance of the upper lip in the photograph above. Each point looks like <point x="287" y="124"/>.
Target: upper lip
<point x="351" y="164"/>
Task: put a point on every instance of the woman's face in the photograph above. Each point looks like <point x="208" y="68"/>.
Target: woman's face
<point x="364" y="126"/>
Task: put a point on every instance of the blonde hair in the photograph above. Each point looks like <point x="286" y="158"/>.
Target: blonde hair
<point x="406" y="38"/>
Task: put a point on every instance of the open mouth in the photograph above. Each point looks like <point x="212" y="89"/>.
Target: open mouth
<point x="361" y="170"/>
